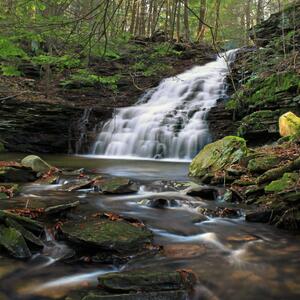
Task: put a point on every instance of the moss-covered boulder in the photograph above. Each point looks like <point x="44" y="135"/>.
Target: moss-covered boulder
<point x="288" y="180"/>
<point x="263" y="163"/>
<point x="289" y="125"/>
<point x="35" y="163"/>
<point x="16" y="174"/>
<point x="13" y="241"/>
<point x="147" y="281"/>
<point x="107" y="233"/>
<point x="216" y="156"/>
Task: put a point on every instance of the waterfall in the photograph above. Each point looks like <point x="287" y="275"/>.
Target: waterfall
<point x="168" y="121"/>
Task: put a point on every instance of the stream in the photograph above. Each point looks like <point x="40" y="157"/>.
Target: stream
<point x="233" y="259"/>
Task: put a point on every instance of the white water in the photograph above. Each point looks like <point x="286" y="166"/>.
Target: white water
<point x="169" y="121"/>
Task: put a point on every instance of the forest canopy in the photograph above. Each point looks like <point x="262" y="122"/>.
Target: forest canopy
<point x="62" y="32"/>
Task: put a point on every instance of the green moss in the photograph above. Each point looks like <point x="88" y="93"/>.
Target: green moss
<point x="218" y="155"/>
<point x="287" y="181"/>
<point x="263" y="164"/>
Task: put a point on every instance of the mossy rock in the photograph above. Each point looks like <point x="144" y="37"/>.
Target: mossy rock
<point x="35" y="163"/>
<point x="13" y="174"/>
<point x="216" y="156"/>
<point x="289" y="125"/>
<point x="262" y="124"/>
<point x="101" y="233"/>
<point x="263" y="163"/>
<point x="13" y="241"/>
<point x="2" y="149"/>
<point x="116" y="186"/>
<point x="147" y="281"/>
<point x="287" y="181"/>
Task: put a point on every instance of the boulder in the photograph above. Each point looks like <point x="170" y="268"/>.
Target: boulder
<point x="15" y="174"/>
<point x="263" y="163"/>
<point x="288" y="181"/>
<point x="216" y="156"/>
<point x="116" y="186"/>
<point x="13" y="241"/>
<point x="35" y="163"/>
<point x="289" y="125"/>
<point x="108" y="233"/>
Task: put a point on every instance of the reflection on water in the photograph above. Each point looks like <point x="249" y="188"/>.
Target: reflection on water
<point x="233" y="259"/>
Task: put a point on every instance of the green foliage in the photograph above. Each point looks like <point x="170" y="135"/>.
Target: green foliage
<point x="151" y="68"/>
<point x="84" y="78"/>
<point x="9" y="50"/>
<point x="163" y="49"/>
<point x="60" y="62"/>
<point x="8" y="70"/>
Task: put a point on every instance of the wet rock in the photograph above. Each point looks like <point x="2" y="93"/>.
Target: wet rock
<point x="28" y="223"/>
<point x="13" y="241"/>
<point x="216" y="156"/>
<point x="288" y="181"/>
<point x="135" y="281"/>
<point x="232" y="195"/>
<point x="181" y="251"/>
<point x="35" y="163"/>
<point x="61" y="207"/>
<point x="48" y="179"/>
<point x="207" y="193"/>
<point x="220" y="212"/>
<point x="77" y="185"/>
<point x="116" y="186"/>
<point x="200" y="218"/>
<point x="159" y="203"/>
<point x="107" y="232"/>
<point x="28" y="236"/>
<point x="263" y="164"/>
<point x="13" y="174"/>
<point x="260" y="216"/>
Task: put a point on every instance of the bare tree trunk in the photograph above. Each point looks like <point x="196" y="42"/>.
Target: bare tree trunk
<point x="217" y="19"/>
<point x="260" y="11"/>
<point x="133" y="17"/>
<point x="142" y="23"/>
<point x="186" y="21"/>
<point x="178" y="21"/>
<point x="202" y="15"/>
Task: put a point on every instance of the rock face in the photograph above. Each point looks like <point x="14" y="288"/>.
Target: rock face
<point x="289" y="125"/>
<point x="216" y="156"/>
<point x="261" y="88"/>
<point x="39" y="127"/>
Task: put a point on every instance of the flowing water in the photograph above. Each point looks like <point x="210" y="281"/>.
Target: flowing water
<point x="168" y="121"/>
<point x="233" y="259"/>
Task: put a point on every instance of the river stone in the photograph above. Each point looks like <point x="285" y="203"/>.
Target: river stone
<point x="77" y="185"/>
<point x="207" y="193"/>
<point x="102" y="233"/>
<point x="28" y="236"/>
<point x="216" y="156"/>
<point x="116" y="186"/>
<point x="13" y="174"/>
<point x="13" y="241"/>
<point x="147" y="281"/>
<point x="35" y="163"/>
<point x="28" y="223"/>
<point x="165" y="295"/>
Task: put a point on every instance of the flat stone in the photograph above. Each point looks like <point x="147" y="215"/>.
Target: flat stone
<point x="13" y="241"/>
<point x="104" y="233"/>
<point x="116" y="186"/>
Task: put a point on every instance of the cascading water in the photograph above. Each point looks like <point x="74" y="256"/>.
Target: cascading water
<point x="168" y="121"/>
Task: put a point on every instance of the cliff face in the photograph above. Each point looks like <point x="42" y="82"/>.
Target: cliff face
<point x="264" y="82"/>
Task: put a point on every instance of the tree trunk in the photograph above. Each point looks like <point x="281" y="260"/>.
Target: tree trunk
<point x="260" y="11"/>
<point x="186" y="21"/>
<point x="217" y="19"/>
<point x="202" y="15"/>
<point x="178" y="22"/>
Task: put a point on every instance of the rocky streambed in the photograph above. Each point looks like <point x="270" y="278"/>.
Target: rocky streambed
<point x="133" y="230"/>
